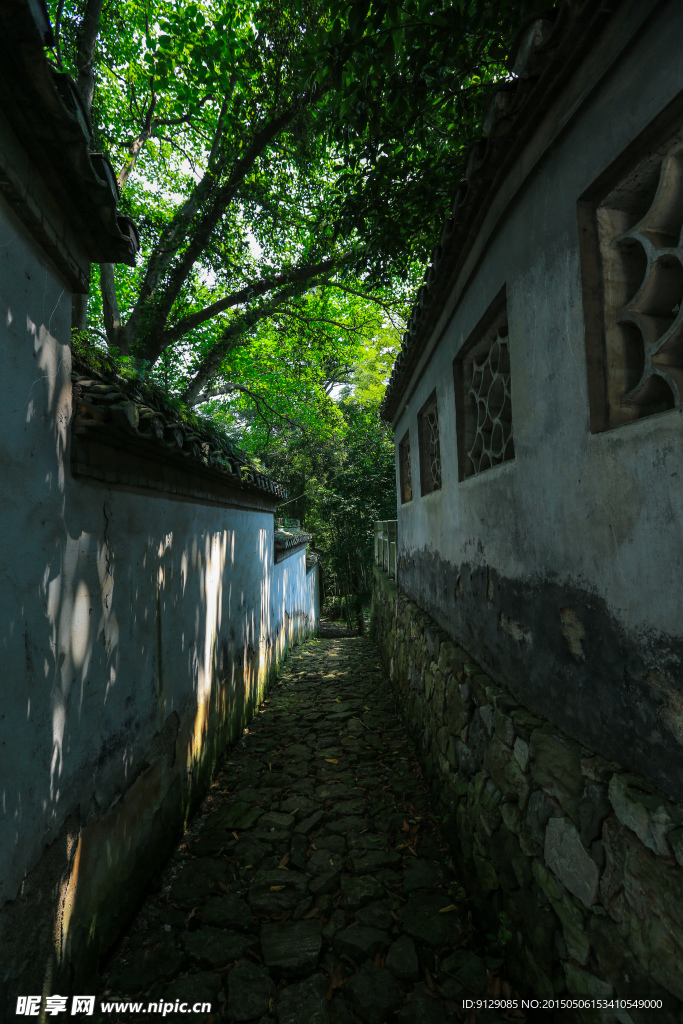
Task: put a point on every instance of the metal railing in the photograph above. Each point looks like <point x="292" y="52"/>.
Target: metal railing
<point x="386" y="540"/>
<point x="287" y="524"/>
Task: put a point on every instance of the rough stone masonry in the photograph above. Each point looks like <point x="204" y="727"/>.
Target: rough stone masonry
<point x="582" y="858"/>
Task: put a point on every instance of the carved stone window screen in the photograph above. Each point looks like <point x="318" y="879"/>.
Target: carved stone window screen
<point x="430" y="446"/>
<point x="483" y="395"/>
<point x="405" y="470"/>
<point x="632" y="275"/>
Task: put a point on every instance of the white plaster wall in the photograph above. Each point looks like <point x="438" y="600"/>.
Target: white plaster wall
<point x="116" y="608"/>
<point x="294" y="593"/>
<point x="313" y="597"/>
<point x="603" y="512"/>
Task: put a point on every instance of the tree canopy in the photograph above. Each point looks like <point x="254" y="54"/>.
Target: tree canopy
<point x="289" y="164"/>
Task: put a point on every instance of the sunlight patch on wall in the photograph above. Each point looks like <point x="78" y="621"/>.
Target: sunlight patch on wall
<point x="80" y="627"/>
<point x="265" y="562"/>
<point x="58" y="730"/>
<point x="68" y="890"/>
<point x="69" y="605"/>
<point x="215" y="550"/>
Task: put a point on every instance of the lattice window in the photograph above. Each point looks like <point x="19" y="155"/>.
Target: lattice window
<point x="632" y="271"/>
<point x="405" y="471"/>
<point x="430" y="449"/>
<point x="483" y="399"/>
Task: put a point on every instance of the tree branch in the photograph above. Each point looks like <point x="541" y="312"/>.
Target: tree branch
<point x="363" y="295"/>
<point x="200" y="236"/>
<point x="58" y="29"/>
<point x="136" y="146"/>
<point x="85" y="54"/>
<point x="230" y="339"/>
<point x="321" y="320"/>
<point x="166" y="248"/>
<point x="251" y="291"/>
<point x="110" y="306"/>
<point x="85" y="84"/>
<point x="156" y="301"/>
<point x="230" y="389"/>
<point x="332" y="382"/>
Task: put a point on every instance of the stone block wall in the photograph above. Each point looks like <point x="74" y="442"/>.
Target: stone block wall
<point x="578" y="861"/>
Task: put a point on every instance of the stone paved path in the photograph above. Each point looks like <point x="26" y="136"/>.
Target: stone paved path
<point x="313" y="887"/>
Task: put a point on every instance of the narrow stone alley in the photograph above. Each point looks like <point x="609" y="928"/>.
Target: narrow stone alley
<point x="313" y="886"/>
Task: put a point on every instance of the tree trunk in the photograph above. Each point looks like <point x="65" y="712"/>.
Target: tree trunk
<point x="110" y="305"/>
<point x="348" y="596"/>
<point x="79" y="313"/>
<point x="86" y="88"/>
<point x="86" y="52"/>
<point x="359" y="615"/>
<point x="235" y="334"/>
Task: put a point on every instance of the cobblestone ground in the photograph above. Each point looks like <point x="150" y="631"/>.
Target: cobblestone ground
<point x="313" y="887"/>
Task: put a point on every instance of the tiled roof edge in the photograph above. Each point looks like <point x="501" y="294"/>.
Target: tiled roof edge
<point x="542" y="59"/>
<point x="139" y="411"/>
<point x="46" y="112"/>
<point x="286" y="539"/>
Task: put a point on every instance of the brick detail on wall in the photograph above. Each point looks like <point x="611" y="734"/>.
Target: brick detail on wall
<point x="583" y="859"/>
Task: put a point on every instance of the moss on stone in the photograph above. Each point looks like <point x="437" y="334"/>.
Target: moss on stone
<point x="556" y="768"/>
<point x="504" y="727"/>
<point x="567" y="909"/>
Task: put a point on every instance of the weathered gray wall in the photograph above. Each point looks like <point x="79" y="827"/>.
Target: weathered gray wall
<point x="562" y="568"/>
<point x="137" y="634"/>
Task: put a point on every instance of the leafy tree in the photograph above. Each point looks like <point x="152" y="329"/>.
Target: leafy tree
<point x="345" y="507"/>
<point x="311" y="418"/>
<point x="269" y="147"/>
<point x="289" y="163"/>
